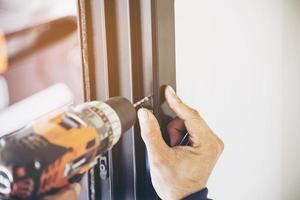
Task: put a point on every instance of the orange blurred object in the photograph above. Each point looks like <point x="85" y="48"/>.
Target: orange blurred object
<point x="20" y="171"/>
<point x="3" y="54"/>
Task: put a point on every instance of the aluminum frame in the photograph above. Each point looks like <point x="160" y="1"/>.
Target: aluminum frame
<point x="128" y="49"/>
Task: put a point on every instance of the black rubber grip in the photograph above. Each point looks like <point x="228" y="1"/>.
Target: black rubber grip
<point x="124" y="110"/>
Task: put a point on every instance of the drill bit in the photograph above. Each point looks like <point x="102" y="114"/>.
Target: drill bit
<point x="141" y="102"/>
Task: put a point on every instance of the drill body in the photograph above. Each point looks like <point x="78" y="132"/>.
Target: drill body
<point x="52" y="153"/>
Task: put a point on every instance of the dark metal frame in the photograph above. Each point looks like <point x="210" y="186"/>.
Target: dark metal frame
<point x="128" y="49"/>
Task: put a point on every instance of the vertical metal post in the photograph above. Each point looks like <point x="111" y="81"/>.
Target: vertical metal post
<point x="91" y="21"/>
<point x="127" y="50"/>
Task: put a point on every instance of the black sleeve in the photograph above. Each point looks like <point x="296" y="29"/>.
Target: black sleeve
<point x="201" y="195"/>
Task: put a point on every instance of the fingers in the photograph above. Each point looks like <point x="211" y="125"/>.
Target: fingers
<point x="151" y="134"/>
<point x="70" y="193"/>
<point x="192" y="120"/>
<point x="176" y="130"/>
<point x="198" y="130"/>
<point x="182" y="110"/>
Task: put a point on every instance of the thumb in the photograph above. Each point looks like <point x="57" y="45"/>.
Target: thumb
<point x="195" y="125"/>
<point x="151" y="135"/>
<point x="182" y="110"/>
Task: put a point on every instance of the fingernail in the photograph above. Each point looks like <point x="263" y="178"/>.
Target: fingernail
<point x="143" y="115"/>
<point x="171" y="90"/>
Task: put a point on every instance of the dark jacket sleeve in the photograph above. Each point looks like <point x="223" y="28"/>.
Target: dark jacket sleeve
<point x="201" y="195"/>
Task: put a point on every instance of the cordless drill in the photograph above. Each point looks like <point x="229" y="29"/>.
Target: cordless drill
<point x="51" y="153"/>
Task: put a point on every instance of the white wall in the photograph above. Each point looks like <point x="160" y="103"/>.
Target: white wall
<point x="234" y="65"/>
<point x="291" y="101"/>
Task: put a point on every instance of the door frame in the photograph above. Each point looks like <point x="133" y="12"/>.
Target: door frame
<point x="127" y="49"/>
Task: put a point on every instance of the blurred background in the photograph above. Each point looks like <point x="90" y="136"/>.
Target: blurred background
<point x="43" y="46"/>
<point x="238" y="63"/>
<point x="44" y="71"/>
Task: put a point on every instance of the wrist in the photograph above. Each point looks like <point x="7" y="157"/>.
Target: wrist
<point x="199" y="195"/>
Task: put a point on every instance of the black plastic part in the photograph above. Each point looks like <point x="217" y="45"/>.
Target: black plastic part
<point x="125" y="111"/>
<point x="76" y="178"/>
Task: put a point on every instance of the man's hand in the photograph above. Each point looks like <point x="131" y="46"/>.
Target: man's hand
<point x="69" y="193"/>
<point x="179" y="171"/>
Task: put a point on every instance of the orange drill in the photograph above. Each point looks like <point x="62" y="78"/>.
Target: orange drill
<point x="52" y="153"/>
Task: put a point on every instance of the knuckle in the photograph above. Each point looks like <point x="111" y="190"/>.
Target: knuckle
<point x="218" y="145"/>
<point x="176" y="103"/>
<point x="180" y="104"/>
<point x="194" y="112"/>
<point x="221" y="144"/>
